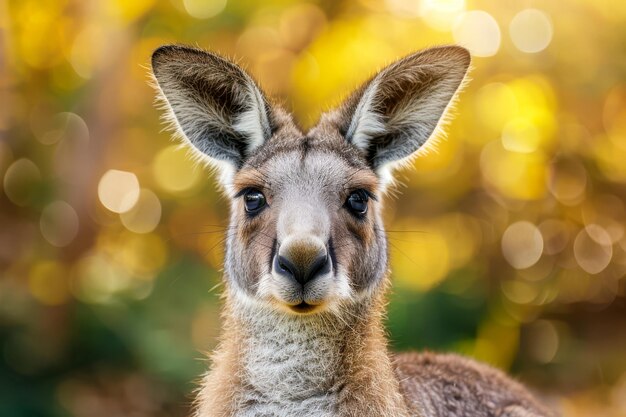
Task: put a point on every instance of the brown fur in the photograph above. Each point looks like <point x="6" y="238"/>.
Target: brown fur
<point x="451" y="385"/>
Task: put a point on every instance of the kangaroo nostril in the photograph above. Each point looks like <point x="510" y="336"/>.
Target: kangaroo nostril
<point x="284" y="267"/>
<point x="318" y="267"/>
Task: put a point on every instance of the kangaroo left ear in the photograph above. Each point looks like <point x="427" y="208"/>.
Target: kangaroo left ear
<point x="214" y="104"/>
<point x="394" y="114"/>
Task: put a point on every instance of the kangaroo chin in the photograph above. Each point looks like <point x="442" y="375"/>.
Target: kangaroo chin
<point x="306" y="268"/>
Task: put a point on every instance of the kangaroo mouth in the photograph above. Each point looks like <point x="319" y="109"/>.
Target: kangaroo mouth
<point x="303" y="307"/>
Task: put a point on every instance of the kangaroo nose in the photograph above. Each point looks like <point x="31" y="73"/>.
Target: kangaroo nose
<point x="301" y="261"/>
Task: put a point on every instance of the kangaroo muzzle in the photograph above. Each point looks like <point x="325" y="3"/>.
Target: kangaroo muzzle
<point x="302" y="259"/>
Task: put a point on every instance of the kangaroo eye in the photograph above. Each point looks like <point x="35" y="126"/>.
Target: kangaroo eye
<point x="254" y="201"/>
<point x="357" y="203"/>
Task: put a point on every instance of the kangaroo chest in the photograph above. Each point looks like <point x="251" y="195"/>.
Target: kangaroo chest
<point x="291" y="368"/>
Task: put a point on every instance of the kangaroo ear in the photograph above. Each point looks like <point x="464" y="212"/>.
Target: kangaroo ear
<point x="213" y="103"/>
<point x="394" y="114"/>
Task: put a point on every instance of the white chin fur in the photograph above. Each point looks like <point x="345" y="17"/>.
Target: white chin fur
<point x="329" y="292"/>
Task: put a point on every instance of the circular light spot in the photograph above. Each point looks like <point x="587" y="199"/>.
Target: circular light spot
<point x="531" y="30"/>
<point x="521" y="135"/>
<point x="593" y="249"/>
<point x="59" y="223"/>
<point x="479" y="32"/>
<point x="51" y="129"/>
<point x="118" y="190"/>
<point x="173" y="170"/>
<point x="543" y="341"/>
<point x="203" y="9"/>
<point x="522" y="244"/>
<point x="21" y="180"/>
<point x="441" y="14"/>
<point x="144" y="217"/>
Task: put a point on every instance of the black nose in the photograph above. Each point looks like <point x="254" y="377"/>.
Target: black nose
<point x="302" y="272"/>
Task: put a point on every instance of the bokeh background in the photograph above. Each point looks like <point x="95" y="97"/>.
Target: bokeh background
<point x="508" y="242"/>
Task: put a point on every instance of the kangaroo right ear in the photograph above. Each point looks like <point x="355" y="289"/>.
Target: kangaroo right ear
<point x="213" y="103"/>
<point x="392" y="116"/>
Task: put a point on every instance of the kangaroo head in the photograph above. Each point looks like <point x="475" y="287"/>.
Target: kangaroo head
<point x="306" y="233"/>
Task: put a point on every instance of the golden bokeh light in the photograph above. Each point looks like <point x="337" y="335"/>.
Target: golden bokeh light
<point x="513" y="174"/>
<point x="173" y="171"/>
<point x="145" y="215"/>
<point x="441" y="14"/>
<point x="479" y="32"/>
<point x="522" y="244"/>
<point x="593" y="249"/>
<point x="496" y="105"/>
<point x="204" y="9"/>
<point x="118" y="190"/>
<point x="143" y="255"/>
<point x="405" y="8"/>
<point x="531" y="30"/>
<point x="49" y="129"/>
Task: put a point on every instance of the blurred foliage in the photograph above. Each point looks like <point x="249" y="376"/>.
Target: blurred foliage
<point x="508" y="240"/>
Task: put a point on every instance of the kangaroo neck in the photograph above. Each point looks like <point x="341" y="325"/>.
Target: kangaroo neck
<point x="326" y="364"/>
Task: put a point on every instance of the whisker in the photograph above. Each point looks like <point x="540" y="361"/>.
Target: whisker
<point x="213" y="288"/>
<point x="404" y="254"/>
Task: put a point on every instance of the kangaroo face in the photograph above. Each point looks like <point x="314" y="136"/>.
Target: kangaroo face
<point x="308" y="231"/>
<point x="305" y="233"/>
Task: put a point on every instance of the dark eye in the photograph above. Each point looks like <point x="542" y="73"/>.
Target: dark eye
<point x="254" y="201"/>
<point x="357" y="202"/>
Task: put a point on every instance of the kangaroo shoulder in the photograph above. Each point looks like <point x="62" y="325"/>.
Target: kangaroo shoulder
<point x="451" y="385"/>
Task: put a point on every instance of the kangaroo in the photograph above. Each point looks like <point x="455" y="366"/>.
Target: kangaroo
<point x="306" y="264"/>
